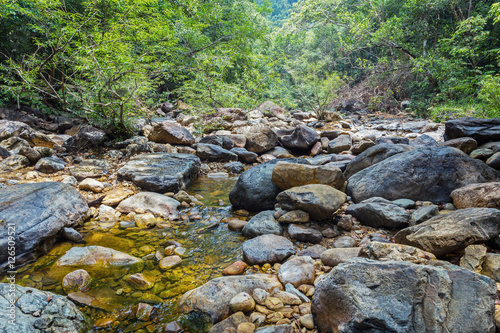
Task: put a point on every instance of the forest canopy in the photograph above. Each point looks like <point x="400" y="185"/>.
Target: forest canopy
<point x="110" y="60"/>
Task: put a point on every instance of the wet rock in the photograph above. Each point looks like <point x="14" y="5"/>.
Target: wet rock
<point x="169" y="132"/>
<point x="86" y="137"/>
<point x="477" y="195"/>
<point x="473" y="258"/>
<point x="262" y="224"/>
<point x="173" y="327"/>
<point x="304" y="234"/>
<point x="234" y="167"/>
<point x="90" y="184"/>
<point x="161" y="172"/>
<point x="170" y="262"/>
<point x="100" y="261"/>
<point x="242" y="302"/>
<point x="50" y="164"/>
<point x="236" y="268"/>
<point x="426" y="174"/>
<point x="393" y="298"/>
<point x="108" y="214"/>
<point x="374" y="155"/>
<point x="287" y="175"/>
<point x="72" y="235"/>
<point x="320" y="201"/>
<point x="333" y="257"/>
<point x="39" y="311"/>
<point x="398" y="252"/>
<point x="39" y="211"/>
<point x="244" y="155"/>
<point x="115" y="196"/>
<point x="302" y="138"/>
<point x="339" y="144"/>
<point x="267" y="249"/>
<point x="145" y="221"/>
<point x="423" y="214"/>
<point x="140" y="281"/>
<point x="453" y="231"/>
<point x="467" y="145"/>
<point x="150" y="202"/>
<point x="214" y="296"/>
<point x="314" y="251"/>
<point x="214" y="153"/>
<point x="78" y="280"/>
<point x="481" y="130"/>
<point x="254" y="190"/>
<point x="218" y="140"/>
<point x="380" y="213"/>
<point x="294" y="216"/>
<point x="14" y="162"/>
<point x="297" y="270"/>
<point x="261" y="140"/>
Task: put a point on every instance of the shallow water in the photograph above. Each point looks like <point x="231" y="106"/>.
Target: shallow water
<point x="210" y="247"/>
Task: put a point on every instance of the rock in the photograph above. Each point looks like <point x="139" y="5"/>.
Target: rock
<point x="278" y="152"/>
<point x="380" y="214"/>
<point x="362" y="146"/>
<point x="494" y="161"/>
<point x="50" y="164"/>
<point x="173" y="327"/>
<point x="393" y="301"/>
<point x="294" y="216"/>
<point x="82" y="172"/>
<point x="231" y="114"/>
<point x="398" y="252"/>
<point x="302" y="138"/>
<point x="374" y="155"/>
<point x="117" y="195"/>
<point x="304" y="234"/>
<point x="4" y="153"/>
<point x="161" y="172"/>
<point x="213" y="297"/>
<point x="38" y="311"/>
<point x="477" y="195"/>
<point x="169" y="132"/>
<point x="481" y="154"/>
<point x="423" y="214"/>
<point x="150" y="202"/>
<point x="140" y="281"/>
<point x="234" y="167"/>
<point x="345" y="222"/>
<point x="14" y="162"/>
<point x="31" y="154"/>
<point x="244" y="155"/>
<point x="467" y="145"/>
<point x="145" y="221"/>
<point x="320" y="201"/>
<point x="271" y="109"/>
<point x="254" y="190"/>
<point x="473" y="258"/>
<point x="72" y="235"/>
<point x="14" y="144"/>
<point x="267" y="249"/>
<point x="236" y="224"/>
<point x="229" y="325"/>
<point x="236" y="268"/>
<point x="90" y="184"/>
<point x="297" y="270"/>
<point x="313" y="251"/>
<point x="491" y="266"/>
<point x="38" y="211"/>
<point x="423" y="140"/>
<point x="276" y="329"/>
<point x="85" y="137"/>
<point x="426" y="174"/>
<point x="242" y="302"/>
<point x="218" y="140"/>
<point x="333" y="257"/>
<point x="287" y="175"/>
<point x="307" y="321"/>
<point x="405" y="203"/>
<point x="245" y="328"/>
<point x="481" y="130"/>
<point x="214" y="153"/>
<point x="170" y="262"/>
<point x="108" y="214"/>
<point x="453" y="231"/>
<point x="262" y="224"/>
<point x="70" y="180"/>
<point x="344" y="241"/>
<point x="261" y="140"/>
<point x="339" y="144"/>
<point x="10" y="128"/>
<point x="100" y="261"/>
<point x="78" y="280"/>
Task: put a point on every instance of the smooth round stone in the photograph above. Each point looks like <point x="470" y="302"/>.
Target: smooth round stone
<point x="170" y="262"/>
<point x="76" y="280"/>
<point x="245" y="328"/>
<point x="140" y="281"/>
<point x="344" y="241"/>
<point x="145" y="221"/>
<point x="405" y="203"/>
<point x="89" y="184"/>
<point x="307" y="321"/>
<point x="236" y="268"/>
<point x="242" y="302"/>
<point x="236" y="225"/>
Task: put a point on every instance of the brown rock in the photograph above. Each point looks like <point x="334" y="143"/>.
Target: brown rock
<point x="287" y="175"/>
<point x="477" y="195"/>
<point x="115" y="196"/>
<point x="236" y="268"/>
<point x="170" y="262"/>
<point x="236" y="224"/>
<point x="76" y="280"/>
<point x="169" y="132"/>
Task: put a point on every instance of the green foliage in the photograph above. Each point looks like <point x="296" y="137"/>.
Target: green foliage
<point x="490" y="95"/>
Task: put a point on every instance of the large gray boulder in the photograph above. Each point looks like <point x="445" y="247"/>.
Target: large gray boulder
<point x="87" y="136"/>
<point x="380" y="213"/>
<point x="161" y="172"/>
<point x="38" y="311"/>
<point x="427" y="174"/>
<point x="214" y="153"/>
<point x="267" y="249"/>
<point x="371" y="296"/>
<point x="373" y="155"/>
<point x="301" y="138"/>
<point x="170" y="132"/>
<point x="213" y="297"/>
<point x="481" y="130"/>
<point x="254" y="190"/>
<point x="260" y="140"/>
<point x="453" y="231"/>
<point x="37" y="212"/>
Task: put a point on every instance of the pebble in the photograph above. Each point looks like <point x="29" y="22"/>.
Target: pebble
<point x="242" y="302"/>
<point x="89" y="184"/>
<point x="307" y="321"/>
<point x="236" y="268"/>
<point x="170" y="262"/>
